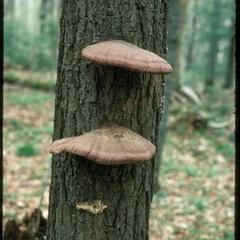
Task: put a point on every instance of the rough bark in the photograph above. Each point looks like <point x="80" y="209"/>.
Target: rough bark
<point x="88" y="95"/>
<point x="173" y="43"/>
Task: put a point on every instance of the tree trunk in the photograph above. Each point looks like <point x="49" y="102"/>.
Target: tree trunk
<point x="176" y="84"/>
<point x="230" y="63"/>
<point x="173" y="43"/>
<point x="9" y="9"/>
<point x="57" y="9"/>
<point x="189" y="30"/>
<point x="191" y="43"/>
<point x="213" y="44"/>
<point x="212" y="60"/>
<point x="46" y="10"/>
<point x="88" y="95"/>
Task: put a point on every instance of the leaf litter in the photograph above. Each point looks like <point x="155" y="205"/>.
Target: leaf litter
<point x="197" y="181"/>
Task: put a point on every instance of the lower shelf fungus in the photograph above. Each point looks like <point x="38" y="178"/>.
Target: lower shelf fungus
<point x="110" y="144"/>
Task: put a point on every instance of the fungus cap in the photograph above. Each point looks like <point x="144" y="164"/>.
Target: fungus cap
<point x="110" y="144"/>
<point x="126" y="55"/>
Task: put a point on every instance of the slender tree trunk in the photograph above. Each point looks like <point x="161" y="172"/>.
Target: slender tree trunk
<point x="212" y="60"/>
<point x="176" y="84"/>
<point x="9" y="8"/>
<point x="213" y="44"/>
<point x="230" y="64"/>
<point x="46" y="10"/>
<point x="88" y="95"/>
<point x="57" y="9"/>
<point x="49" y="16"/>
<point x="189" y="30"/>
<point x="173" y="58"/>
<point x="175" y="43"/>
<point x="191" y="43"/>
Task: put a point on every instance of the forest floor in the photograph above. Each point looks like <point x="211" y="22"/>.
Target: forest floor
<point x="197" y="173"/>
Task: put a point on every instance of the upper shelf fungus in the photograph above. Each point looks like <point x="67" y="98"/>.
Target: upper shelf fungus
<point x="126" y="55"/>
<point x="110" y="144"/>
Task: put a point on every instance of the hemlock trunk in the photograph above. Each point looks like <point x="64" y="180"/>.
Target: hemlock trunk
<point x="88" y="95"/>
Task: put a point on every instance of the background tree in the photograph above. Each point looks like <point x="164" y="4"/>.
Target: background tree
<point x="211" y="58"/>
<point x="46" y="12"/>
<point x="211" y="43"/>
<point x="230" y="63"/>
<point x="88" y="95"/>
<point x="230" y="52"/>
<point x="37" y="37"/>
<point x="9" y="8"/>
<point x="191" y="27"/>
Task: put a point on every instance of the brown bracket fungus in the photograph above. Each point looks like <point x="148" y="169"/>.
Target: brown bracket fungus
<point x="110" y="144"/>
<point x="126" y="55"/>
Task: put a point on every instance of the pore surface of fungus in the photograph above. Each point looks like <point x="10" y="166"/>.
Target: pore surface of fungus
<point x="110" y="144"/>
<point x="126" y="55"/>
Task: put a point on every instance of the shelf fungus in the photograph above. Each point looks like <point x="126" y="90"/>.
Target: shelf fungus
<point x="126" y="55"/>
<point x="110" y="144"/>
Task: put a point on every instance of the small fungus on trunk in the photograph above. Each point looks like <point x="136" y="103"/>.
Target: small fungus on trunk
<point x="110" y="144"/>
<point x="126" y="55"/>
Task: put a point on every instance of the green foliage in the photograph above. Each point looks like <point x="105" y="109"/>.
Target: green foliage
<point x="215" y="21"/>
<point x="199" y="204"/>
<point x="191" y="171"/>
<point x="32" y="51"/>
<point x="26" y="150"/>
<point x="228" y="236"/>
<point x="28" y="98"/>
<point x="40" y="82"/>
<point x="15" y="124"/>
<point x="226" y="149"/>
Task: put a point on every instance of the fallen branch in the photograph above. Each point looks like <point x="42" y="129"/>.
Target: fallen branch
<point x="190" y="94"/>
<point x="212" y="124"/>
<point x="178" y="97"/>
